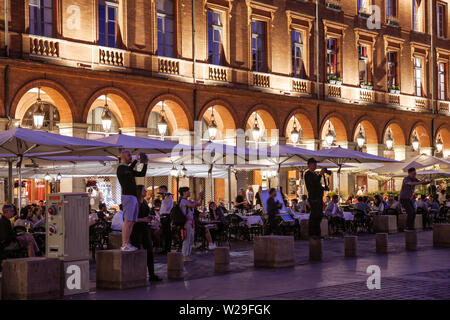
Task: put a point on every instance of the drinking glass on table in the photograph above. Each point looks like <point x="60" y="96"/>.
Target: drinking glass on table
<point x="28" y="226"/>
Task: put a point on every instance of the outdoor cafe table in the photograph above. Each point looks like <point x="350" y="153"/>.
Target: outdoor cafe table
<point x="251" y="220"/>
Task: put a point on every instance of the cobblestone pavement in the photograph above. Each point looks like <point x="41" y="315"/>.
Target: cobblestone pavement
<point x="422" y="274"/>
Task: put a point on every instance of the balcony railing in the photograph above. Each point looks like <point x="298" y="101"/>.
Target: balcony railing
<point x="218" y="73"/>
<point x="334" y="91"/>
<point x="299" y="85"/>
<point x="421" y="104"/>
<point x="112" y="57"/>
<point x="366" y="95"/>
<point x="393" y="99"/>
<point x="334" y="4"/>
<point x="444" y="107"/>
<point x="42" y="46"/>
<point x="261" y="80"/>
<point x="167" y="65"/>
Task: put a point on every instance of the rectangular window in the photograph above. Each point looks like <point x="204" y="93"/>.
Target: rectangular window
<point x="215" y="46"/>
<point x="441" y="21"/>
<point x="417" y="15"/>
<point x="363" y="6"/>
<point x="392" y="69"/>
<point x="166" y="28"/>
<point x="298" y="67"/>
<point x="41" y="17"/>
<point x="418" y="77"/>
<point x="259" y="50"/>
<point x="363" y="64"/>
<point x="442" y="76"/>
<point x="332" y="57"/>
<point x="391" y="9"/>
<point x="107" y="24"/>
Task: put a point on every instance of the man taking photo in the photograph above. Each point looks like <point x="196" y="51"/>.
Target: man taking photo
<point x="315" y="197"/>
<point x="127" y="179"/>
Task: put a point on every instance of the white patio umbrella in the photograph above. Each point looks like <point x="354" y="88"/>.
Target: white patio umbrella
<point x="20" y="142"/>
<point x="341" y="156"/>
<point x="434" y="174"/>
<point x="419" y="162"/>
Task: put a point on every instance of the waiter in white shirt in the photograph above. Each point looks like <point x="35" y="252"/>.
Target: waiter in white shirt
<point x="164" y="211"/>
<point x="250" y="195"/>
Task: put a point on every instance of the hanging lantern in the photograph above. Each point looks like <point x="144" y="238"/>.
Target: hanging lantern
<point x="162" y="123"/>
<point x="174" y="172"/>
<point x="38" y="114"/>
<point x="439" y="145"/>
<point x="184" y="172"/>
<point x="256" y="131"/>
<point x="58" y="177"/>
<point x="47" y="177"/>
<point x="106" y="117"/>
<point x="360" y="139"/>
<point x="389" y="140"/>
<point x="295" y="133"/>
<point x="212" y="127"/>
<point x="415" y="142"/>
<point x="329" y="138"/>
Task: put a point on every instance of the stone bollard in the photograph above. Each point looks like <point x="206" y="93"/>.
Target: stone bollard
<point x="115" y="240"/>
<point x="222" y="259"/>
<point x="381" y="240"/>
<point x="401" y="221"/>
<point x="118" y="269"/>
<point x="385" y="224"/>
<point x="273" y="251"/>
<point x="31" y="278"/>
<point x="410" y="240"/>
<point x="418" y="222"/>
<point x="304" y="229"/>
<point x="350" y="245"/>
<point x="175" y="266"/>
<point x="324" y="228"/>
<point x="441" y="235"/>
<point x="315" y="249"/>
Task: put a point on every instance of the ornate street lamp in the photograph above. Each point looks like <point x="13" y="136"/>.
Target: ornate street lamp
<point x="329" y="138"/>
<point x="389" y="139"/>
<point x="184" y="172"/>
<point x="415" y="142"/>
<point x="38" y="114"/>
<point x="212" y="127"/>
<point x="174" y="172"/>
<point x="47" y="177"/>
<point x="439" y="145"/>
<point x="162" y="123"/>
<point x="106" y="117"/>
<point x="360" y="139"/>
<point x="256" y="131"/>
<point x="295" y="133"/>
<point x="58" y="177"/>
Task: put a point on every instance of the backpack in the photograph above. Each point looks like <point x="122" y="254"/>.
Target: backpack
<point x="177" y="216"/>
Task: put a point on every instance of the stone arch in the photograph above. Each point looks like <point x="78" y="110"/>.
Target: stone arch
<point x="339" y="127"/>
<point x="422" y="134"/>
<point x="444" y="133"/>
<point x="304" y="120"/>
<point x="222" y="115"/>
<point x="178" y="119"/>
<point x="369" y="129"/>
<point x="265" y="119"/>
<point x="119" y="103"/>
<point x="397" y="133"/>
<point x="51" y="92"/>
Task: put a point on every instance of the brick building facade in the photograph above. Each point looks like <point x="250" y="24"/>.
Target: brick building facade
<point x="378" y="67"/>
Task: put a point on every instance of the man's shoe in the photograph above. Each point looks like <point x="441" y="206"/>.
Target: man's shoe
<point x="155" y="278"/>
<point x="128" y="247"/>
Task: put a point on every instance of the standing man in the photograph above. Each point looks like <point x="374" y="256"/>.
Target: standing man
<point x="250" y="196"/>
<point x="315" y="197"/>
<point x="273" y="208"/>
<point x="408" y="185"/>
<point x="126" y="175"/>
<point x="164" y="211"/>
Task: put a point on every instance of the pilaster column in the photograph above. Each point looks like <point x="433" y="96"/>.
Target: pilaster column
<point x="78" y="130"/>
<point x="376" y="149"/>
<point x="135" y="131"/>
<point x="4" y="124"/>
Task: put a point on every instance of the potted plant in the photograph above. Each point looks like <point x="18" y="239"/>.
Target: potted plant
<point x="366" y="85"/>
<point x="338" y="81"/>
<point x="332" y="79"/>
<point x="394" y="89"/>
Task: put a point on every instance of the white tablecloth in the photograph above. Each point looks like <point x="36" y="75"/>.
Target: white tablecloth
<point x="301" y="216"/>
<point x="348" y="216"/>
<point x="249" y="220"/>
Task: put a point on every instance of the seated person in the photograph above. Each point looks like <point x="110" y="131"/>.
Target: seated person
<point x="222" y="207"/>
<point x="25" y="215"/>
<point x="434" y="206"/>
<point x="304" y="206"/>
<point x="117" y="220"/>
<point x="241" y="202"/>
<point x="422" y="204"/>
<point x="378" y="205"/>
<point x="394" y="204"/>
<point x="7" y="235"/>
<point x="362" y="205"/>
<point x="335" y="214"/>
<point x="294" y="206"/>
<point x="205" y="228"/>
<point x="103" y="213"/>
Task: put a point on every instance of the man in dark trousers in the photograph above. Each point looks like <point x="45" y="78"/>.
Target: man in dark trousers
<point x="127" y="179"/>
<point x="273" y="207"/>
<point x="408" y="185"/>
<point x="315" y="197"/>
